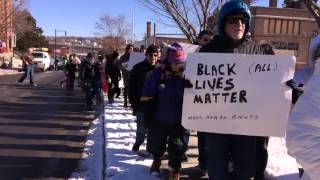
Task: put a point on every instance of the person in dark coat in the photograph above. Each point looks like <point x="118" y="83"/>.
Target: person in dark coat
<point x="262" y="142"/>
<point x="138" y="75"/>
<point x="90" y="75"/>
<point x="204" y="37"/>
<point x="124" y="59"/>
<point x="113" y="73"/>
<point x="233" y="23"/>
<point x="70" y="72"/>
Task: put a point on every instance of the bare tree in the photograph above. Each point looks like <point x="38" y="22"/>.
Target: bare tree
<point x="190" y="16"/>
<point x="113" y="29"/>
<point x="8" y="16"/>
<point x="314" y="9"/>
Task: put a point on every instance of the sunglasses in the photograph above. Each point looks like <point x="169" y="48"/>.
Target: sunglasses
<point x="235" y="20"/>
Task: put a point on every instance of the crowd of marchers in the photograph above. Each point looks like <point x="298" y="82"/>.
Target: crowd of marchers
<point x="156" y="86"/>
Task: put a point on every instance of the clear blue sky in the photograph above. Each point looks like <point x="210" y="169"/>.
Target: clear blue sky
<point x="78" y="17"/>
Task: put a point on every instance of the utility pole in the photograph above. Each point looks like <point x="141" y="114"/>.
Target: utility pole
<point x="154" y="33"/>
<point x="55" y="40"/>
<point x="133" y="38"/>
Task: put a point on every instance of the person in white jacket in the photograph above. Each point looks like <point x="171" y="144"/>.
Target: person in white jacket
<point x="303" y="132"/>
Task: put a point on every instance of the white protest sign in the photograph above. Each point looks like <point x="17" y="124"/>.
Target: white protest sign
<point x="135" y="58"/>
<point x="238" y="94"/>
<point x="190" y="48"/>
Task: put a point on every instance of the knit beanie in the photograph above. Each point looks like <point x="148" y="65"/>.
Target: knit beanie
<point x="175" y="54"/>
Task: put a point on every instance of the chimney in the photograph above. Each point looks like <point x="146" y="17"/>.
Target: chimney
<point x="148" y="29"/>
<point x="273" y="3"/>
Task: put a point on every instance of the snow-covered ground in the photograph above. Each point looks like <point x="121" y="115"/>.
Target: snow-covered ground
<point x="281" y="166"/>
<point x="91" y="166"/>
<point x="123" y="164"/>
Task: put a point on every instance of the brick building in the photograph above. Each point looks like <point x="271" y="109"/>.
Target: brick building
<point x="289" y="29"/>
<point x="6" y="12"/>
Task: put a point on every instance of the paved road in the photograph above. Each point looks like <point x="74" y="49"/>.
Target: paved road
<point x="42" y="129"/>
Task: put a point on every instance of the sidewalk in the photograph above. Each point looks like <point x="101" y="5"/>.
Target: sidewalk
<point x="123" y="164"/>
<point x="8" y="71"/>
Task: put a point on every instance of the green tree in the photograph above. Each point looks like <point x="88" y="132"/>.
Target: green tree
<point x="27" y="32"/>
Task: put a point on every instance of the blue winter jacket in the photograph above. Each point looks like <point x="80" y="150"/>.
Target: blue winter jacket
<point x="168" y="90"/>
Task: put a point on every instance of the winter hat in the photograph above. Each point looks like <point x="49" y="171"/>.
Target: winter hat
<point x="233" y="7"/>
<point x="175" y="54"/>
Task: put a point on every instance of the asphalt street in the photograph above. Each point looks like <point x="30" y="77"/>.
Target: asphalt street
<point x="42" y="129"/>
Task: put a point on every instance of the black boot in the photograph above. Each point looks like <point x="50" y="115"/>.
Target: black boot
<point x="155" y="167"/>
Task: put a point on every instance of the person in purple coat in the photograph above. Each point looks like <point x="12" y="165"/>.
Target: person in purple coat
<point x="165" y="87"/>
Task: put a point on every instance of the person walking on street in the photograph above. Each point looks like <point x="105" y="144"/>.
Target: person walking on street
<point x="125" y="72"/>
<point x="27" y="59"/>
<point x="70" y="71"/>
<point x="88" y="74"/>
<point x="138" y="75"/>
<point x="165" y="88"/>
<point x="233" y="23"/>
<point x="113" y="73"/>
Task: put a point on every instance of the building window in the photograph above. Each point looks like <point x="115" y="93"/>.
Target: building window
<point x="281" y="26"/>
<point x="290" y="27"/>
<point x="266" y="26"/>
<point x="296" y="29"/>
<point x="271" y="26"/>
<point x="284" y="27"/>
<point x="292" y="46"/>
<point x="278" y="26"/>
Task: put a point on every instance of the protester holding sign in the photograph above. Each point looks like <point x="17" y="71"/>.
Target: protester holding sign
<point x="303" y="133"/>
<point x="138" y="75"/>
<point x="166" y="87"/>
<point x="204" y="37"/>
<point x="233" y="23"/>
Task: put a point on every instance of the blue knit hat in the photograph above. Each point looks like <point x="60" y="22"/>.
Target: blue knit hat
<point x="233" y="7"/>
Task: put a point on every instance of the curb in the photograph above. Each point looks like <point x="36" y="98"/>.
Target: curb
<point x="91" y="167"/>
<point x="8" y="72"/>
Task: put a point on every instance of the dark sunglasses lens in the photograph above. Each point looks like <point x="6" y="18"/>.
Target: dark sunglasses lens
<point x="235" y="20"/>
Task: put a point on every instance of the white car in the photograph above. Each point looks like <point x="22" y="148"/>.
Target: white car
<point x="41" y="60"/>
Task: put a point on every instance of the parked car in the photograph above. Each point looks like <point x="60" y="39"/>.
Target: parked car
<point x="41" y="60"/>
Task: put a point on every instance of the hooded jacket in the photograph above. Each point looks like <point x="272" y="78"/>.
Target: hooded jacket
<point x="232" y="7"/>
<point x="303" y="131"/>
<point x="222" y="43"/>
<point x="302" y="76"/>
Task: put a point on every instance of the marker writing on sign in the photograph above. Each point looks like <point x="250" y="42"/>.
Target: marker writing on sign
<point x="220" y="82"/>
